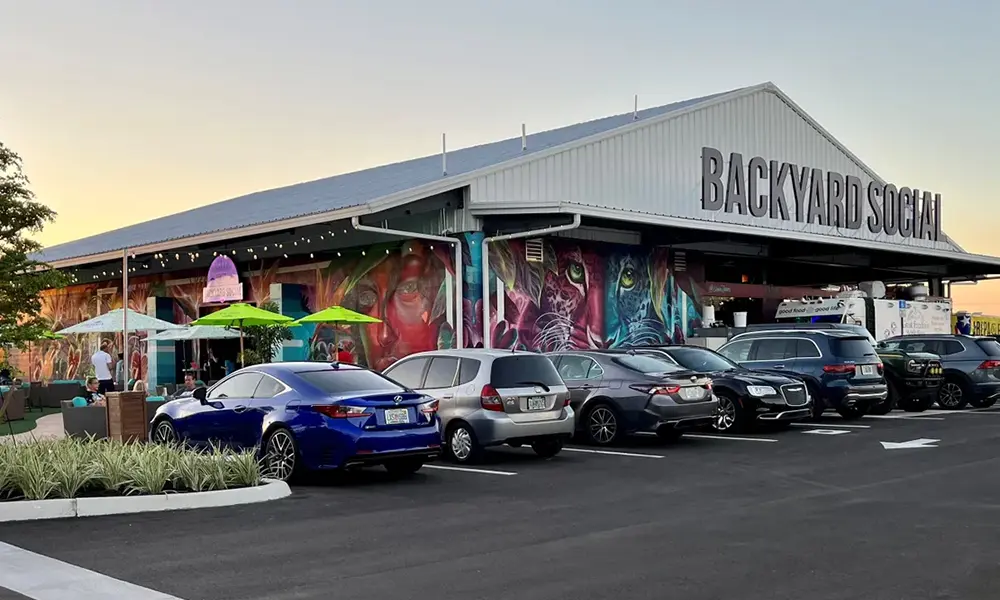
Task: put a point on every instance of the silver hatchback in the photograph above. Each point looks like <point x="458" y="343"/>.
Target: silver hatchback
<point x="491" y="397"/>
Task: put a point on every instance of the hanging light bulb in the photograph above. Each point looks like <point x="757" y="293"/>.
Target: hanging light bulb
<point x="308" y="241"/>
<point x="285" y="255"/>
<point x="104" y="273"/>
<point x="215" y="254"/>
<point x="311" y="255"/>
<point x="197" y="255"/>
<point x="265" y="248"/>
<point x="234" y="252"/>
<point x="362" y="253"/>
<point x="255" y="257"/>
<point x="295" y="243"/>
<point x="177" y="257"/>
<point x="432" y="247"/>
<point x="387" y="251"/>
<point x="322" y="238"/>
<point x="338" y="254"/>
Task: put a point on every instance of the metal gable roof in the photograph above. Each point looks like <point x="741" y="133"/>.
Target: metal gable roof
<point x="341" y="191"/>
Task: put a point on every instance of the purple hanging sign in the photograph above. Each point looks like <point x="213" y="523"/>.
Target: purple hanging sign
<point x="223" y="282"/>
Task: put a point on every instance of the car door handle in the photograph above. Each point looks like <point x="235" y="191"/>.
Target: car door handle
<point x="447" y="396"/>
<point x="779" y="366"/>
<point x="586" y="386"/>
<point x="241" y="408"/>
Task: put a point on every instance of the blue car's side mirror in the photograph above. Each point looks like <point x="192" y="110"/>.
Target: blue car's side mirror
<point x="200" y="394"/>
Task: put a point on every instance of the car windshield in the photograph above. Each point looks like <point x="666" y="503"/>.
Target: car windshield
<point x="646" y="364"/>
<point x="699" y="359"/>
<point x="341" y="382"/>
<point x="519" y="370"/>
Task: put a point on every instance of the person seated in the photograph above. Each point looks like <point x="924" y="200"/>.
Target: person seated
<point x="344" y="355"/>
<point x="140" y="386"/>
<point x="92" y="393"/>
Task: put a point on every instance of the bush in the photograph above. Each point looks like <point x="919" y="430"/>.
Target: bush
<point x="72" y="468"/>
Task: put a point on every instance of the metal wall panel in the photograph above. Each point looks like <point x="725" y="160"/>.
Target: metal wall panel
<point x="657" y="169"/>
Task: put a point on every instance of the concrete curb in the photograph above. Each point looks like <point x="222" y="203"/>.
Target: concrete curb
<point x="33" y="510"/>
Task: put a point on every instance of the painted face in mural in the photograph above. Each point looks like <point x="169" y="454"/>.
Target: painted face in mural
<point x="632" y="318"/>
<point x="401" y="291"/>
<point x="571" y="306"/>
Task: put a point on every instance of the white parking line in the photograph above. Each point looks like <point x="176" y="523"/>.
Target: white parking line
<point x="612" y="453"/>
<point x="968" y="411"/>
<point x="904" y="417"/>
<point x="42" y="578"/>
<point x="700" y="436"/>
<point x="826" y="425"/>
<point x="469" y="470"/>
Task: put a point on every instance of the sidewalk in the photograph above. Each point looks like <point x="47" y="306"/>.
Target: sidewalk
<point x="47" y="427"/>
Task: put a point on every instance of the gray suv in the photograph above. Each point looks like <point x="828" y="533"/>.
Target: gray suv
<point x="491" y="397"/>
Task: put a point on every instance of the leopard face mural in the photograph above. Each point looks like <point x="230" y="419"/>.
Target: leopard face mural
<point x="583" y="295"/>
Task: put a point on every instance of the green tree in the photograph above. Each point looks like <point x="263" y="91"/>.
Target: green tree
<point x="264" y="340"/>
<point x="22" y="277"/>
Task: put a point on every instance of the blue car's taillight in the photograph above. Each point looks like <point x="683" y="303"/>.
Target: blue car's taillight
<point x="340" y="411"/>
<point x="430" y="408"/>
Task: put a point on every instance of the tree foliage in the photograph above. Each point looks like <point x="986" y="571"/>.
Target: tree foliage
<point x="22" y="277"/>
<point x="263" y="341"/>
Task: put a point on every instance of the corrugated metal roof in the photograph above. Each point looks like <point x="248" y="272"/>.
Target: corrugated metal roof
<point x="341" y="191"/>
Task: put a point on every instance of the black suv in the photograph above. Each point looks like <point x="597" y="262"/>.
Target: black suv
<point x="971" y="366"/>
<point x="745" y="397"/>
<point x="840" y="368"/>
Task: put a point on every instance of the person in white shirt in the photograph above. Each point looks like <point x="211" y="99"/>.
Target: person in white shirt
<point x="102" y="370"/>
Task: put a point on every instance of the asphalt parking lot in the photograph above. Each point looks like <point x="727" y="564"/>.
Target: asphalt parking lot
<point x="821" y="511"/>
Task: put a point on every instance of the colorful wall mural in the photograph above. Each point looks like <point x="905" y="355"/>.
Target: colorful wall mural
<point x="403" y="284"/>
<point x="581" y="295"/>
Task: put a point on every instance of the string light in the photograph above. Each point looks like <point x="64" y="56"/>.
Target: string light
<point x="311" y="255"/>
<point x="285" y="255"/>
<point x="177" y="257"/>
<point x="255" y="257"/>
<point x="265" y="248"/>
<point x="338" y="254"/>
<point x="362" y="253"/>
<point x="387" y="251"/>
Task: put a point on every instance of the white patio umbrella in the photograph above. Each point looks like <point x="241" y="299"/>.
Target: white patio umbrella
<point x="197" y="332"/>
<point x="113" y="322"/>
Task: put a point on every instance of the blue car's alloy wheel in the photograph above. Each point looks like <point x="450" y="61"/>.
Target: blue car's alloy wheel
<point x="280" y="456"/>
<point x="164" y="433"/>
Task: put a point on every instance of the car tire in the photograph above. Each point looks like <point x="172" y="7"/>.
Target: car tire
<point x="163" y="432"/>
<point x="884" y="407"/>
<point x="403" y="467"/>
<point x="281" y="458"/>
<point x="952" y="395"/>
<point x="462" y="445"/>
<point x="851" y="413"/>
<point x="818" y="405"/>
<point x="547" y="448"/>
<point x="603" y="425"/>
<point x="732" y="417"/>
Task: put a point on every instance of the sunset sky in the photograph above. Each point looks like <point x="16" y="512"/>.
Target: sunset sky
<point x="124" y="111"/>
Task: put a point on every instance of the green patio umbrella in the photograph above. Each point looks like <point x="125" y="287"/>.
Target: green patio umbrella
<point x="241" y="315"/>
<point x="337" y="315"/>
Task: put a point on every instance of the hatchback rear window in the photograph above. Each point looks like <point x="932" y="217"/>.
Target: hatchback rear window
<point x="339" y="382"/>
<point x="852" y="347"/>
<point x="645" y="363"/>
<point x="990" y="346"/>
<point x="519" y="370"/>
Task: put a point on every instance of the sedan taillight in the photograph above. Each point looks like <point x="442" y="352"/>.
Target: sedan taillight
<point x="341" y="411"/>
<point x="430" y="408"/>
<point x="655" y="390"/>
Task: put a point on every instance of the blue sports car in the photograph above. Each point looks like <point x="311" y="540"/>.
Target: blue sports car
<point x="308" y="415"/>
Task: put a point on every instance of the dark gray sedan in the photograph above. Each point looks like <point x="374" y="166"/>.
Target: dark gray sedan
<point x="619" y="393"/>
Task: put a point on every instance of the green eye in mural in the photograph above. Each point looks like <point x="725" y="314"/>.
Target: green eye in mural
<point x="626" y="280"/>
<point x="575" y="272"/>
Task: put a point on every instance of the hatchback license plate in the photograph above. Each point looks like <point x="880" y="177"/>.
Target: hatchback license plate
<point x="536" y="403"/>
<point x="397" y="416"/>
<point x="692" y="393"/>
<point x="867" y="369"/>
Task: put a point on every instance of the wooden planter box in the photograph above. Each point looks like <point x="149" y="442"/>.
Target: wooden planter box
<point x="128" y="419"/>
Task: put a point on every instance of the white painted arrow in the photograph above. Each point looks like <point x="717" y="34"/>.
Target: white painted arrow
<point x="921" y="443"/>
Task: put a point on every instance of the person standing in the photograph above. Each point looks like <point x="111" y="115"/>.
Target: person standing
<point x="102" y="370"/>
<point x="120" y="372"/>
